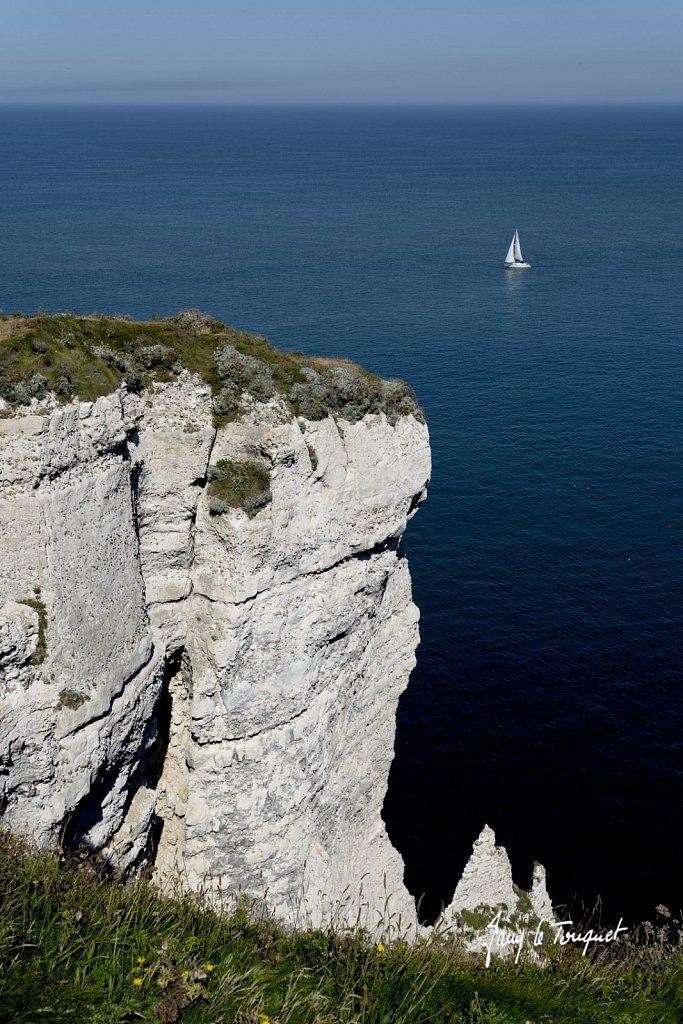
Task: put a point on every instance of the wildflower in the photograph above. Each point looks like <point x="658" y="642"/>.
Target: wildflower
<point x="141" y="959"/>
<point x="380" y="947"/>
<point x="184" y="974"/>
<point x="137" y="981"/>
<point x="209" y="967"/>
<point x="264" y="1020"/>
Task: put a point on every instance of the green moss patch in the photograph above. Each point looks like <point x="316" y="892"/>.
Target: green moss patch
<point x="244" y="485"/>
<point x="72" y="699"/>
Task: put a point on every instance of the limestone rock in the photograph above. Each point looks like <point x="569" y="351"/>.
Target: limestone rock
<point x="68" y="532"/>
<point x="218" y="692"/>
<point x="19" y="627"/>
<point x="540" y="899"/>
<point x="487" y="878"/>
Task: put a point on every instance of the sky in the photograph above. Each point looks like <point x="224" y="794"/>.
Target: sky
<point x="351" y="51"/>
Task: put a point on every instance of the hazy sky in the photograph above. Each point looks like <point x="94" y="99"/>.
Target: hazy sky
<point x="314" y="51"/>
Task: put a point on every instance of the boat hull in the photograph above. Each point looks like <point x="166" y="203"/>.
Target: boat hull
<point x="518" y="266"/>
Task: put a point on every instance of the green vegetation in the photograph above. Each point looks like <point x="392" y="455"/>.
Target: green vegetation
<point x="38" y="604"/>
<point x="90" y="356"/>
<point x="243" y="485"/>
<point x="76" y="946"/>
<point x="72" y="699"/>
<point x="476" y="920"/>
<point x="524" y="904"/>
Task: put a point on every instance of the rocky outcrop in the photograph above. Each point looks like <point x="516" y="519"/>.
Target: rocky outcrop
<point x="215" y="693"/>
<point x="487" y="878"/>
<point x="486" y="882"/>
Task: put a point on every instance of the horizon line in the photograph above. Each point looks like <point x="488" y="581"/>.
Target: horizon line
<point x="340" y="104"/>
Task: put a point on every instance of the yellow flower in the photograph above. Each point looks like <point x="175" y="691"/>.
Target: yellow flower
<point x="184" y="974"/>
<point x="209" y="967"/>
<point x="380" y="947"/>
<point x="137" y="981"/>
<point x="141" y="959"/>
<point x="264" y="1020"/>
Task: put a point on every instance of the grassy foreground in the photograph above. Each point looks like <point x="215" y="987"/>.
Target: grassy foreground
<point x="75" y="946"/>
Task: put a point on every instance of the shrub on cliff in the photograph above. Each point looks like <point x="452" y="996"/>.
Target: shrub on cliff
<point x="398" y="399"/>
<point x="308" y="395"/>
<point x="244" y="485"/>
<point x="91" y="356"/>
<point x="195" y="321"/>
<point x="351" y="393"/>
<point x="151" y="356"/>
<point x="239" y="373"/>
<point x="23" y="391"/>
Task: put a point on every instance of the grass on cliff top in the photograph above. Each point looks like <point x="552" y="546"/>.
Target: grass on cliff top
<point x="75" y="946"/>
<point x="89" y="356"/>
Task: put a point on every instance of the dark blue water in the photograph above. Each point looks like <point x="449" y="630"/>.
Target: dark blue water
<point x="548" y="561"/>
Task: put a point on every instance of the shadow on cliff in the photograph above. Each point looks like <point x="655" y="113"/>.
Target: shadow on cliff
<point x="79" y="824"/>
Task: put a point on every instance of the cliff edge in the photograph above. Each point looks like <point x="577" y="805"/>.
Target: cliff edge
<point x="205" y="613"/>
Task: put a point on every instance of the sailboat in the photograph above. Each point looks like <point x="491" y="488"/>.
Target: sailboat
<point x="514" y="258"/>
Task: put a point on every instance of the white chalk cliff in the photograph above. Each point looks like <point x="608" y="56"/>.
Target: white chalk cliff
<point x="215" y="693"/>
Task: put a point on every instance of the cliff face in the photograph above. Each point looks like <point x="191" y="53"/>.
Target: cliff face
<point x="212" y="692"/>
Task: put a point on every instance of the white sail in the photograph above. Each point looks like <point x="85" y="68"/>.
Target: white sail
<point x="514" y="257"/>
<point x="517" y="248"/>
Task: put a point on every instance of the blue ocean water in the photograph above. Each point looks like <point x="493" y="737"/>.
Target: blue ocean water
<point x="548" y="560"/>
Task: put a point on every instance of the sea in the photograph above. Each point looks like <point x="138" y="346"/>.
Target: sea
<point x="547" y="562"/>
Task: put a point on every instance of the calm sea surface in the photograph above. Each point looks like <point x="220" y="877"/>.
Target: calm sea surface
<point x="548" y="561"/>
